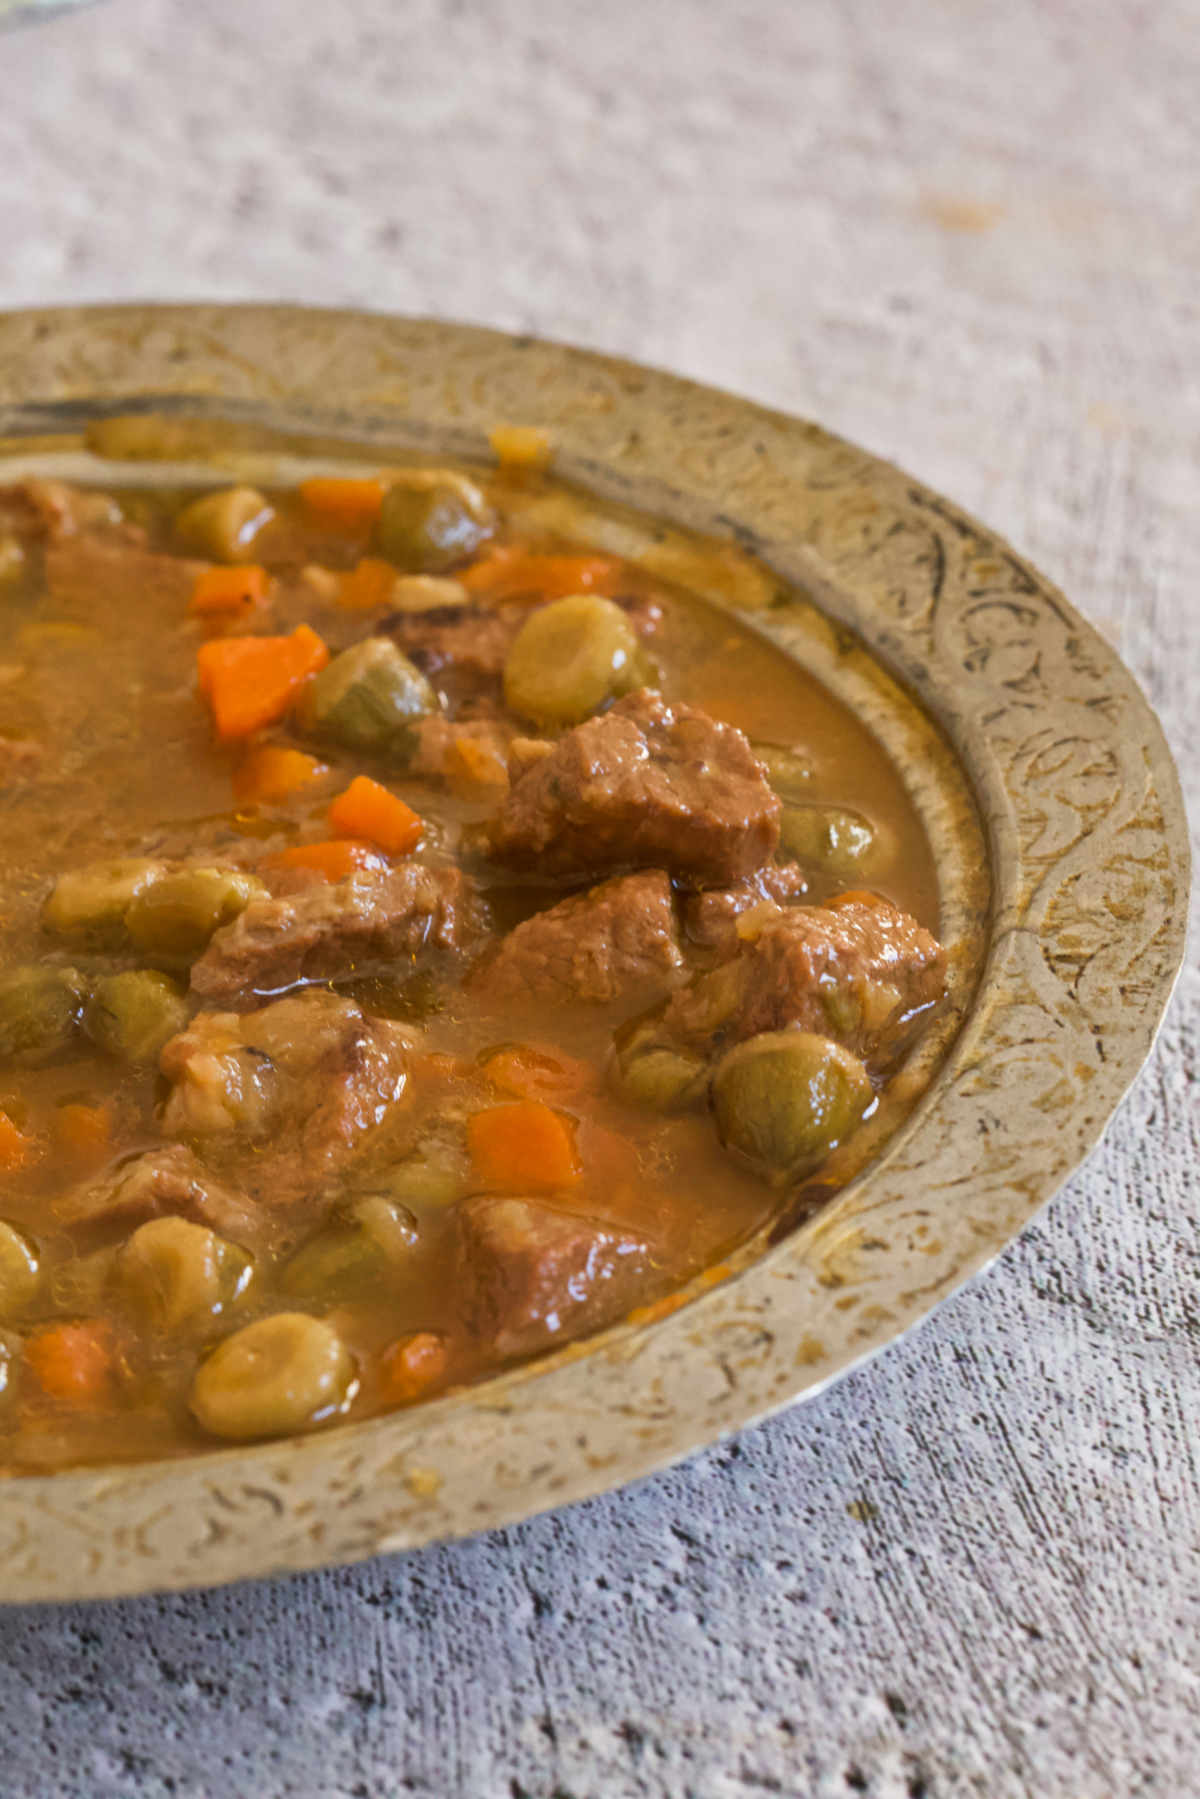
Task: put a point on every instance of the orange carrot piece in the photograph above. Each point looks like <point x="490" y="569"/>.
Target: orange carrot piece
<point x="475" y="764"/>
<point x="16" y="1149"/>
<point x="505" y="575"/>
<point x="250" y="682"/>
<point x="84" y="1131"/>
<point x="221" y="591"/>
<point x="345" y="502"/>
<point x="520" y="446"/>
<point x="523" y="1148"/>
<point x="331" y="861"/>
<point x="529" y="1071"/>
<point x="272" y="773"/>
<point x="368" y="810"/>
<point x="74" y="1362"/>
<point x="368" y="585"/>
<point x="410" y="1365"/>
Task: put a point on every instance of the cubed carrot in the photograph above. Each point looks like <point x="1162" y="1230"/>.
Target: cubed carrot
<point x="344" y="502"/>
<point x="367" y="586"/>
<point x="84" y="1131"/>
<point x="523" y="1148"/>
<point x="225" y="592"/>
<point x="250" y="682"/>
<point x="530" y="1071"/>
<point x="474" y="764"/>
<point x="368" y="810"/>
<point x="506" y="574"/>
<point x="411" y="1365"/>
<point x="272" y="773"/>
<point x="331" y="861"/>
<point x="16" y="1149"/>
<point x="75" y="1363"/>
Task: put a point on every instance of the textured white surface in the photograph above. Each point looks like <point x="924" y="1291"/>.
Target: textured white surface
<point x="970" y="238"/>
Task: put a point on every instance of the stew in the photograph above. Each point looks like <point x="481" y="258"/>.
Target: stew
<point x="423" y="940"/>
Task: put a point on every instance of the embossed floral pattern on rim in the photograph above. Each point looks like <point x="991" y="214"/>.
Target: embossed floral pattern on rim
<point x="1089" y="859"/>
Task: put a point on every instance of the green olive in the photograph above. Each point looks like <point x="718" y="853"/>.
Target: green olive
<point x="40" y="1010"/>
<point x="787" y="1098"/>
<point x="835" y="839"/>
<point x="89" y="904"/>
<point x="132" y="1014"/>
<point x="179" y="1274"/>
<point x="432" y="519"/>
<point x="569" y="658"/>
<point x="661" y="1078"/>
<point x="175" y="917"/>
<point x="279" y="1374"/>
<point x="19" y="1271"/>
<point x="789" y="770"/>
<point x="223" y="525"/>
<point x="367" y="698"/>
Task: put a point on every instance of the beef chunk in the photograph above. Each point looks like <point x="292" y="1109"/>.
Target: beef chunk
<point x="529" y="1275"/>
<point x="855" y="972"/>
<point x="710" y="918"/>
<point x="472" y="640"/>
<point x="286" y="1095"/>
<point x="53" y="510"/>
<point x="170" y="1180"/>
<point x="326" y="931"/>
<point x="616" y="938"/>
<point x="643" y="784"/>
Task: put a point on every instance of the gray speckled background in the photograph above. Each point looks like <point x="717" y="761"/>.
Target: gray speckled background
<point x="968" y="236"/>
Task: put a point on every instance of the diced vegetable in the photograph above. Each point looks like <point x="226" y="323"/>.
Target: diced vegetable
<point x="472" y="763"/>
<point x="16" y="1149"/>
<point x="85" y="1132"/>
<point x="75" y="1363"/>
<point x="510" y="573"/>
<point x="224" y="525"/>
<point x="40" y="1010"/>
<point x="569" y="658"/>
<point x="432" y="519"/>
<point x="789" y="771"/>
<point x="175" y="916"/>
<point x="271" y="773"/>
<point x="338" y="1262"/>
<point x="335" y="861"/>
<point x="367" y="698"/>
<point x="225" y="592"/>
<point x="251" y="682"/>
<point x="661" y="1078"/>
<point x="411" y="1365"/>
<point x="132" y="1014"/>
<point x="520" y="446"/>
<point x="530" y="1072"/>
<point x="179" y="1275"/>
<point x="426" y="593"/>
<point x="785" y="1099"/>
<point x="833" y="838"/>
<point x="368" y="586"/>
<point x="20" y="1274"/>
<point x="367" y="810"/>
<point x="280" y="1374"/>
<point x="89" y="904"/>
<point x="523" y="1148"/>
<point x="343" y="502"/>
<point x="390" y="1225"/>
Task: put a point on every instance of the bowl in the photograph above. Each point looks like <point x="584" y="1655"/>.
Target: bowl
<point x="1038" y="768"/>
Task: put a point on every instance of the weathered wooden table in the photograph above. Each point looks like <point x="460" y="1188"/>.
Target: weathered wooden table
<point x="970" y="238"/>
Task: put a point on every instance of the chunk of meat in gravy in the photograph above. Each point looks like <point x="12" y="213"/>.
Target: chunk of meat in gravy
<point x="528" y="1275"/>
<point x="711" y="918"/>
<point x="618" y="938"/>
<point x="646" y="783"/>
<point x="170" y="1180"/>
<point x="855" y="972"/>
<point x="335" y="929"/>
<point x="291" y="1092"/>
